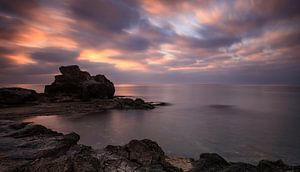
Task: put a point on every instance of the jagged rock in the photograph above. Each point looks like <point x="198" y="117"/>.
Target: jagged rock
<point x="22" y="143"/>
<point x="28" y="147"/>
<point x="210" y="162"/>
<point x="14" y="96"/>
<point x="146" y="155"/>
<point x="78" y="158"/>
<point x="80" y="84"/>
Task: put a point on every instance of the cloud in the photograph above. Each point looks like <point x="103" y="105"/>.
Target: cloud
<point x="152" y="41"/>
<point x="112" y="16"/>
<point x="54" y="55"/>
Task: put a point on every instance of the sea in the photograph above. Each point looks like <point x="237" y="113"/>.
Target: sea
<point x="240" y="122"/>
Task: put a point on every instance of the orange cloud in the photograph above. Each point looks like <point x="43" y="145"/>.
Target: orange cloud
<point x="35" y="38"/>
<point x="209" y="16"/>
<point x="193" y="68"/>
<point x="106" y="56"/>
<point x="154" y="7"/>
<point x="21" y="59"/>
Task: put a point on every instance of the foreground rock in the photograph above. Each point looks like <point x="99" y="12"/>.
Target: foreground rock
<point x="27" y="147"/>
<point x="80" y="84"/>
<point x="16" y="96"/>
<point x="212" y="162"/>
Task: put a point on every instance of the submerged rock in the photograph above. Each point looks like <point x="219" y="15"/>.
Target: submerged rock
<point x="14" y="96"/>
<point x="80" y="84"/>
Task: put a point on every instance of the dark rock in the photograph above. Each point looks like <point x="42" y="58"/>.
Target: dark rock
<point x="210" y="162"/>
<point x="14" y="96"/>
<point x="78" y="158"/>
<point x="80" y="84"/>
<point x="24" y="143"/>
<point x="238" y="167"/>
<point x="28" y="147"/>
<point x="127" y="103"/>
<point x="146" y="153"/>
<point x="271" y="166"/>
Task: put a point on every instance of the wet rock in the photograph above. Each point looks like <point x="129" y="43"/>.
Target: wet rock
<point x="80" y="84"/>
<point x="210" y="162"/>
<point x="14" y="96"/>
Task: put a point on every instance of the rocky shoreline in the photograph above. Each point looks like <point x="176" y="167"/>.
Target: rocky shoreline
<point x="74" y="92"/>
<point x="27" y="147"/>
<point x="73" y="107"/>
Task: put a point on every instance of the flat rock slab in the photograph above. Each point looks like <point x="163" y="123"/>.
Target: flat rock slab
<point x="72" y="107"/>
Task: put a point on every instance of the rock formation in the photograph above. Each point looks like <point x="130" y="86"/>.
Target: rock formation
<point x="15" y="96"/>
<point x="28" y="147"/>
<point x="80" y="84"/>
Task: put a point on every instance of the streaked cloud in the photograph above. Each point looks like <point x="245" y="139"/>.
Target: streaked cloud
<point x="232" y="41"/>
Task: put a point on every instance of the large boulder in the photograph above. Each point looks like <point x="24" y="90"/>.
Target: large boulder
<point x="145" y="153"/>
<point x="80" y="84"/>
<point x="14" y="96"/>
<point x="210" y="162"/>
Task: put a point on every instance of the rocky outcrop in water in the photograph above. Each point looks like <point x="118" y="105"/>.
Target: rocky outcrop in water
<point x="212" y="162"/>
<point x="26" y="147"/>
<point x="16" y="96"/>
<point x="80" y="84"/>
<point x="72" y="93"/>
<point x="69" y="107"/>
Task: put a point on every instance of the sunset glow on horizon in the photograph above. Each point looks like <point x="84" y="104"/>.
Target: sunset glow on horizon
<point x="159" y="41"/>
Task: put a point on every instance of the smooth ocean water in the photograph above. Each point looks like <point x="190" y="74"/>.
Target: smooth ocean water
<point x="241" y="123"/>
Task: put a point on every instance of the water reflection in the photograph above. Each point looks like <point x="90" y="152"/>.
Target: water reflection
<point x="242" y="123"/>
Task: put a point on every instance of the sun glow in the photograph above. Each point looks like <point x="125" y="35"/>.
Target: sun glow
<point x="111" y="56"/>
<point x="21" y="59"/>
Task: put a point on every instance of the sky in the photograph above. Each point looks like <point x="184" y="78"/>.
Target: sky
<point x="152" y="41"/>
